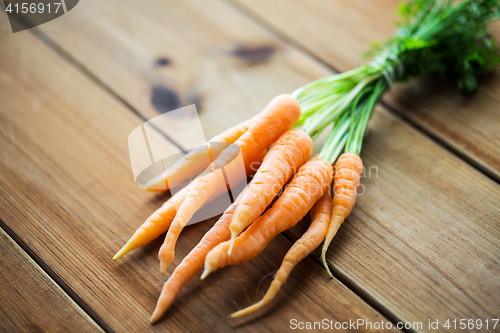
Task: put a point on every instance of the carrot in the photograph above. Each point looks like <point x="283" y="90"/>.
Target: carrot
<point x="194" y="200"/>
<point x="348" y="170"/>
<point x="197" y="160"/>
<point x="161" y="219"/>
<point x="193" y="262"/>
<point x="286" y="155"/>
<point x="155" y="225"/>
<point x="235" y="132"/>
<point x="307" y="187"/>
<point x="278" y="116"/>
<point x="321" y="214"/>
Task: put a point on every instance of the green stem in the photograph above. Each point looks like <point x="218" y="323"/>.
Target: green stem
<point x="447" y="37"/>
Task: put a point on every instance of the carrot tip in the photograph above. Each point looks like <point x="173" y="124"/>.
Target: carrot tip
<point x="155" y="317"/>
<point x="323" y="259"/>
<point x="240" y="313"/>
<point x="236" y="314"/>
<point x="163" y="267"/>
<point x="206" y="272"/>
<point x="248" y="310"/>
<point x="123" y="251"/>
<point x="166" y="257"/>
<point x="231" y="244"/>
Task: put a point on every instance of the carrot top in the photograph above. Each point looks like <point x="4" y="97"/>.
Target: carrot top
<point x="448" y="38"/>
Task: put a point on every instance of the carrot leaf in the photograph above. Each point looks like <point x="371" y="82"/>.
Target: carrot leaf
<point x="443" y="37"/>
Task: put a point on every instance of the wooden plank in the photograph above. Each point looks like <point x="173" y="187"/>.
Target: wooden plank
<point x="423" y="239"/>
<point x="419" y="218"/>
<point x="339" y="33"/>
<point x="67" y="191"/>
<point x="161" y="55"/>
<point x="31" y="301"/>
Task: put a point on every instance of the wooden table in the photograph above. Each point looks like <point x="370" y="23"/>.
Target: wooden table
<point x="422" y="244"/>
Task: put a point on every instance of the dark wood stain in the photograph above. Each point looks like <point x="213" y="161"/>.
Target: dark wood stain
<point x="163" y="61"/>
<point x="254" y="54"/>
<point x="165" y="100"/>
<point x="192" y="97"/>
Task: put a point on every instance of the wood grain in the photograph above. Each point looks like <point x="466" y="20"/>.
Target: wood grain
<point x="210" y="48"/>
<point x="423" y="239"/>
<point x="339" y="32"/>
<point x="31" y="301"/>
<point x="413" y="245"/>
<point x="67" y="191"/>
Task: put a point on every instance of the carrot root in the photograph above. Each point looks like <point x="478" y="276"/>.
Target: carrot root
<point x="320" y="218"/>
<point x="198" y="159"/>
<point x="348" y="170"/>
<point x="308" y="186"/>
<point x="155" y="225"/>
<point x="193" y="262"/>
<point x="206" y="272"/>
<point x="286" y="156"/>
<point x="280" y="278"/>
<point x="278" y="116"/>
<point x="194" y="200"/>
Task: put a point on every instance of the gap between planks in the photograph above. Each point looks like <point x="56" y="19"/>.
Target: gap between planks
<point x="55" y="278"/>
<point x="424" y="131"/>
<point x="59" y="50"/>
<point x="357" y="288"/>
<point x="352" y="285"/>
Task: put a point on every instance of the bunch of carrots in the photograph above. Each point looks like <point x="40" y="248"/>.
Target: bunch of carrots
<point x="443" y="37"/>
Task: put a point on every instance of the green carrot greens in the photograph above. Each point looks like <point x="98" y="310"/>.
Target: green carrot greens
<point x="443" y="37"/>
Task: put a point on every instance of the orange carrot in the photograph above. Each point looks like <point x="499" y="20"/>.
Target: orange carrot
<point x="278" y="116"/>
<point x="161" y="219"/>
<point x="282" y="161"/>
<point x="235" y="132"/>
<point x="321" y="214"/>
<point x="348" y="171"/>
<point x="197" y="160"/>
<point x="155" y="225"/>
<point x="193" y="262"/>
<point x="307" y="187"/>
<point x="204" y="188"/>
